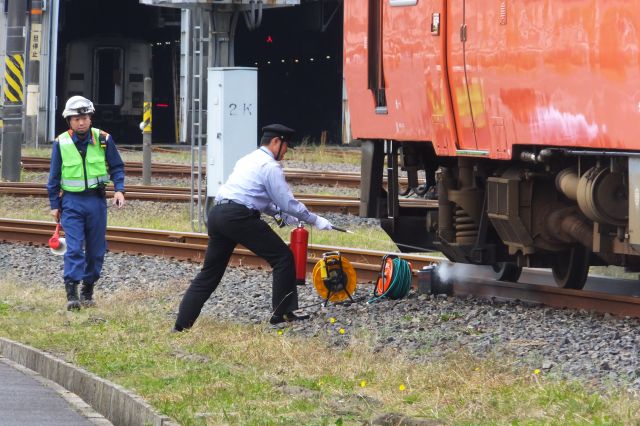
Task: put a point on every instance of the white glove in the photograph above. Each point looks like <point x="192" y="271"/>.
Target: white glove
<point x="323" y="224"/>
<point x="290" y="220"/>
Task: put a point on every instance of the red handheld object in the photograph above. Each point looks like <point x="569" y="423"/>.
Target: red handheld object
<point x="298" y="244"/>
<point x="54" y="241"/>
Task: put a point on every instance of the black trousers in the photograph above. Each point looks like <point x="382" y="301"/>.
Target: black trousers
<point x="229" y="225"/>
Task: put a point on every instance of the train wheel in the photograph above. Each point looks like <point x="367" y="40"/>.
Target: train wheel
<point x="507" y="271"/>
<point x="571" y="268"/>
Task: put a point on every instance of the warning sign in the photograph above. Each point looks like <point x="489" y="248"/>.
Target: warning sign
<point x="35" y="42"/>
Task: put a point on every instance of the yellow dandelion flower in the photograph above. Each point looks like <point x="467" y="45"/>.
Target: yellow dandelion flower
<point x="402" y="387"/>
<point x="363" y="383"/>
<point x="341" y="331"/>
<point x="332" y="320"/>
<point x="536" y="371"/>
<point x="280" y="333"/>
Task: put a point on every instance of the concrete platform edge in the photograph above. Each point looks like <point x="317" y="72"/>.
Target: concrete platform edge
<point x="114" y="402"/>
<point x="74" y="400"/>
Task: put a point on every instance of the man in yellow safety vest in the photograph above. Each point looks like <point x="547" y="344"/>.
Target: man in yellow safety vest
<point x="82" y="161"/>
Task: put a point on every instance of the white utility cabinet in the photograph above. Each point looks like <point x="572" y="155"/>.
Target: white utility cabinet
<point x="232" y="121"/>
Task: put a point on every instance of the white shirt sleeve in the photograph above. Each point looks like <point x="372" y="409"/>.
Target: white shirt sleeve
<point x="280" y="193"/>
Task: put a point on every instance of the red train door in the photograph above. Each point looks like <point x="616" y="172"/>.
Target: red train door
<point x="484" y="40"/>
<point x="464" y="89"/>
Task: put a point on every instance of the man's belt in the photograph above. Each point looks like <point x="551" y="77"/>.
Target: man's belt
<point x="227" y="201"/>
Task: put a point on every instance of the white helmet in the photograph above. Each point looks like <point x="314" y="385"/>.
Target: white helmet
<point x="77" y="105"/>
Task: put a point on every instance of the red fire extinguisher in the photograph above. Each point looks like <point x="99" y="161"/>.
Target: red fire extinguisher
<point x="298" y="245"/>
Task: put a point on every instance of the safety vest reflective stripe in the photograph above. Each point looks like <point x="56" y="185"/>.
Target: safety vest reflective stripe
<point x="80" y="183"/>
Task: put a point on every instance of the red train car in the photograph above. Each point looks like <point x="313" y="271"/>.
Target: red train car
<point x="521" y="113"/>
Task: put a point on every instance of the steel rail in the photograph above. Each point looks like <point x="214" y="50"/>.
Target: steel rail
<point x="550" y="296"/>
<point x="316" y="203"/>
<point x="298" y="176"/>
<point x="191" y="246"/>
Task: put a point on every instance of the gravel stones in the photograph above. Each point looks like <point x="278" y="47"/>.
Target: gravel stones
<point x="597" y="348"/>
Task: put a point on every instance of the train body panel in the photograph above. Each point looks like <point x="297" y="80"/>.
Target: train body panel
<point x="416" y="110"/>
<point x="528" y="73"/>
<point x="517" y="118"/>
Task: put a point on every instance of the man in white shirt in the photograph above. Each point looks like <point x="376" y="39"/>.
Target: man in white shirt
<point x="256" y="185"/>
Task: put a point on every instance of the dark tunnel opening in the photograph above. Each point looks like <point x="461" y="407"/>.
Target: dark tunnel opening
<point x="105" y="49"/>
<point x="297" y="50"/>
<point x="298" y="53"/>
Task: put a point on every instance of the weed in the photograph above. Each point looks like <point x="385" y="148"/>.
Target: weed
<point x="224" y="373"/>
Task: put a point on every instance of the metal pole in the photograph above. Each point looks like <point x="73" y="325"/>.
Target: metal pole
<point x="33" y="87"/>
<point x="185" y="73"/>
<point x="3" y="45"/>
<point x="146" y="133"/>
<point x="53" y="60"/>
<point x="12" y="133"/>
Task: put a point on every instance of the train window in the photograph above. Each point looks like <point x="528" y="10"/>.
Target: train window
<point x="375" y="69"/>
<point x="108" y="71"/>
<point x="76" y="76"/>
<point x="136" y="78"/>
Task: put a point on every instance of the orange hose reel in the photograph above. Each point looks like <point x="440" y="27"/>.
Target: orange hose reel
<point x="334" y="278"/>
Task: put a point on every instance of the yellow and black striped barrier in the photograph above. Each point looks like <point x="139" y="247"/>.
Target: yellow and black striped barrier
<point x="14" y="79"/>
<point x="146" y="118"/>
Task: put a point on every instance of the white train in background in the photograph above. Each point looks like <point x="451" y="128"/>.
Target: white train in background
<point x="110" y="72"/>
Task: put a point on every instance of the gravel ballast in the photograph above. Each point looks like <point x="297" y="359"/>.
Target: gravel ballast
<point x="595" y="348"/>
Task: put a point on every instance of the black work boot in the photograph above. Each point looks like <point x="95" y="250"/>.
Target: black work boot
<point x="288" y="317"/>
<point x="86" y="295"/>
<point x="72" y="295"/>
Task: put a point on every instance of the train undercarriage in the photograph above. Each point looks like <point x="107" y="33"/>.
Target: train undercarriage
<point x="560" y="208"/>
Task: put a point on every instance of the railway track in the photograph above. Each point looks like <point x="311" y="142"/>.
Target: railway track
<point x="334" y="151"/>
<point x="299" y="176"/>
<point x="294" y="176"/>
<point x="191" y="246"/>
<point x="316" y="203"/>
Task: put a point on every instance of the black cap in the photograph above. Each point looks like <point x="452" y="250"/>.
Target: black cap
<point x="279" y="131"/>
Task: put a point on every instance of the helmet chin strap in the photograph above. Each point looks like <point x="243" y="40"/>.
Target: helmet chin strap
<point x="81" y="135"/>
<point x="279" y="150"/>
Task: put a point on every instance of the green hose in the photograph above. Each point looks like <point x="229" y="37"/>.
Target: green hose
<point x="400" y="282"/>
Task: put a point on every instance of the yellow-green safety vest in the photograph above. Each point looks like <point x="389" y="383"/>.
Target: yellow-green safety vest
<point x="77" y="175"/>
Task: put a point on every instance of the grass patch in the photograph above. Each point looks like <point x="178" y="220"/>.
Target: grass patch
<point x="222" y="373"/>
<point x="44" y="152"/>
<point x="323" y="154"/>
<point x="614" y="272"/>
<point x="179" y="157"/>
<point x="308" y="153"/>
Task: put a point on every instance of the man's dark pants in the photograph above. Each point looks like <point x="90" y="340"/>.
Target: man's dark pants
<point x="231" y="224"/>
